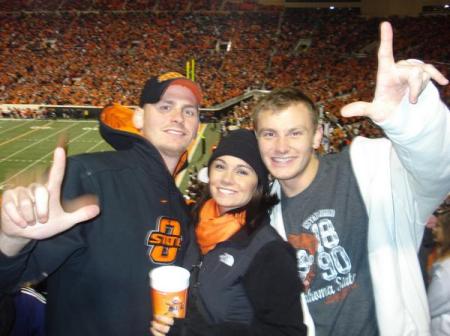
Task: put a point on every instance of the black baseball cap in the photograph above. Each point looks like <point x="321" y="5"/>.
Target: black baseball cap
<point x="155" y="87"/>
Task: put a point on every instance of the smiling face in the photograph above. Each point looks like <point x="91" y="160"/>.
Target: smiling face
<point x="232" y="182"/>
<point x="170" y="124"/>
<point x="287" y="139"/>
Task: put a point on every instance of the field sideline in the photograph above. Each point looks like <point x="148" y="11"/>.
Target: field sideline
<point x="26" y="145"/>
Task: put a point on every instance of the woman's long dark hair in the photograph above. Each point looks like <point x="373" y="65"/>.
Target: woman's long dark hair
<point x="257" y="208"/>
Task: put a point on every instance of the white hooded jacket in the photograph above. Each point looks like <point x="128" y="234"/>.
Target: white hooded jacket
<point x="402" y="180"/>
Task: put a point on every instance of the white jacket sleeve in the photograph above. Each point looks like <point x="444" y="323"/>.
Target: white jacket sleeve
<point x="402" y="180"/>
<point x="420" y="134"/>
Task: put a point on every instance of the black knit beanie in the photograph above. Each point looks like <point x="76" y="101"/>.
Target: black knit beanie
<point x="242" y="144"/>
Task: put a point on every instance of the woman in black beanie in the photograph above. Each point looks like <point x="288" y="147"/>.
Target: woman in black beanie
<point x="244" y="278"/>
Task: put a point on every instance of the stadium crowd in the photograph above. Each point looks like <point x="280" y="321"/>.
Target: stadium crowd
<point x="93" y="53"/>
<point x="68" y="57"/>
<point x="94" y="58"/>
<point x="97" y="52"/>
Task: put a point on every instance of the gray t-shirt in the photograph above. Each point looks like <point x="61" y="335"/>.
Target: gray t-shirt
<point x="327" y="223"/>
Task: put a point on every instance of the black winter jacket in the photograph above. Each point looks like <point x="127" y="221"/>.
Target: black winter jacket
<point x="247" y="285"/>
<point x="97" y="271"/>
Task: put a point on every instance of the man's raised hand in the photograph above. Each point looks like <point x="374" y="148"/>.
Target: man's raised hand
<point x="36" y="211"/>
<point x="393" y="81"/>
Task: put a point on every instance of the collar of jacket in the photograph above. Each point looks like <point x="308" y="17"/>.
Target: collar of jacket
<point x="244" y="236"/>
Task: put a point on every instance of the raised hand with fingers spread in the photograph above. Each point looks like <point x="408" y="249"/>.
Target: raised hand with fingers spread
<point x="393" y="81"/>
<point x="37" y="212"/>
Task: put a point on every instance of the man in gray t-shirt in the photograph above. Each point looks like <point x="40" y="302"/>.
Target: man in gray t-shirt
<point x="332" y="217"/>
<point x="327" y="223"/>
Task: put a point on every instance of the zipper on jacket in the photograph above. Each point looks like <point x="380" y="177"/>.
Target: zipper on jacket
<point x="195" y="272"/>
<point x="195" y="291"/>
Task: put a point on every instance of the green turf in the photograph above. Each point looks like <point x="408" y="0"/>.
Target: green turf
<point x="26" y="146"/>
<point x="199" y="159"/>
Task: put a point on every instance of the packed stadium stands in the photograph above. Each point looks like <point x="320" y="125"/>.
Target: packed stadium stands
<point x="94" y="52"/>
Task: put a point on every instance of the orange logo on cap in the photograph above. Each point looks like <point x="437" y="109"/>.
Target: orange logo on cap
<point x="169" y="75"/>
<point x="165" y="241"/>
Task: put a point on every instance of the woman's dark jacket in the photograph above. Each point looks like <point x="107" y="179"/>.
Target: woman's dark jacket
<point x="247" y="285"/>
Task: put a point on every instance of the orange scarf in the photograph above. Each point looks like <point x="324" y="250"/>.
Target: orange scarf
<point x="213" y="228"/>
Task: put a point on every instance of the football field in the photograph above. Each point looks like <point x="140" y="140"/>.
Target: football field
<point x="26" y="146"/>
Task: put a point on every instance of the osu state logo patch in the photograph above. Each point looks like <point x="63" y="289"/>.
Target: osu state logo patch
<point x="165" y="241"/>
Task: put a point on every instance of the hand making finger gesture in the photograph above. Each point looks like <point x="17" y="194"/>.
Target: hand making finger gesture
<point x="36" y="211"/>
<point x="393" y="81"/>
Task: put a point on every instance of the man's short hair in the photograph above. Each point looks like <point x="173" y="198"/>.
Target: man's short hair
<point x="282" y="98"/>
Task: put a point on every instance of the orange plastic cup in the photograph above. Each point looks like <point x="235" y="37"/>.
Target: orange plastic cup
<point x="169" y="286"/>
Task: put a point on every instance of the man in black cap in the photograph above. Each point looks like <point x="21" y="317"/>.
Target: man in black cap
<point x="96" y="250"/>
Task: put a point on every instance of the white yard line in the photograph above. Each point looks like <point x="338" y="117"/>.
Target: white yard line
<point x="42" y="158"/>
<point x="22" y="135"/>
<point x="10" y="128"/>
<point x="79" y="136"/>
<point x="96" y="145"/>
<point x="35" y="143"/>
